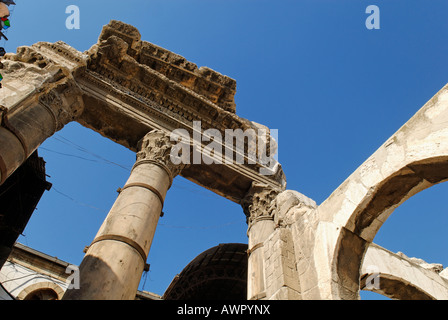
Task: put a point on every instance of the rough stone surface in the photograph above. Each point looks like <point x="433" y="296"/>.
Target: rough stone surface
<point x="401" y="277"/>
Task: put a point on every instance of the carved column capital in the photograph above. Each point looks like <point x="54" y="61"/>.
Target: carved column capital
<point x="259" y="203"/>
<point x="155" y="148"/>
<point x="64" y="103"/>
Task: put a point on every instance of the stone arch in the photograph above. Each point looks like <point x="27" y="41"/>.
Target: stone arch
<point x="396" y="189"/>
<point x="374" y="211"/>
<point x="413" y="159"/>
<point x="397" y="276"/>
<point x="398" y="288"/>
<point x="47" y="287"/>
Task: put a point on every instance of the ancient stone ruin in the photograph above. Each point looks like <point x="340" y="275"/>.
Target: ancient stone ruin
<point x="136" y="93"/>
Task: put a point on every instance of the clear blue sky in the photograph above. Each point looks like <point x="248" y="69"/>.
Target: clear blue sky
<point x="309" y="68"/>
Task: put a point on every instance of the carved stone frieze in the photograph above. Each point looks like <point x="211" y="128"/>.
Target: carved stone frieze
<point x="50" y="56"/>
<point x="215" y="87"/>
<point x="29" y="55"/>
<point x="110" y="61"/>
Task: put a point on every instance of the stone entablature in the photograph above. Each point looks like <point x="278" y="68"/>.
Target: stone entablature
<point x="123" y="88"/>
<point x="136" y="86"/>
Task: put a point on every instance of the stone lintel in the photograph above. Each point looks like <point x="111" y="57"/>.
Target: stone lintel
<point x="132" y="87"/>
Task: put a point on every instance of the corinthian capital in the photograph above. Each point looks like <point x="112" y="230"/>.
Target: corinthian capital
<point x="64" y="102"/>
<point x="156" y="147"/>
<point x="259" y="203"/>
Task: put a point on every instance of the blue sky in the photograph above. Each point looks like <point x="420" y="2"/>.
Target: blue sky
<point x="309" y="68"/>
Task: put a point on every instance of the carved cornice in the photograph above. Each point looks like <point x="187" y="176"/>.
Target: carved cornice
<point x="206" y="82"/>
<point x="155" y="148"/>
<point x="29" y="55"/>
<point x="50" y="56"/>
<point x="113" y="69"/>
<point x="110" y="63"/>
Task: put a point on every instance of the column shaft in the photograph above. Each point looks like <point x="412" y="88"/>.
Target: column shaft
<point x="114" y="262"/>
<point x="27" y="124"/>
<point x="259" y="207"/>
<point x="21" y="133"/>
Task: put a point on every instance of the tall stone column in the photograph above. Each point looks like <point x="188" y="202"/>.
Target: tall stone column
<point x="25" y="125"/>
<point x="39" y="96"/>
<point x="259" y="207"/>
<point x="114" y="262"/>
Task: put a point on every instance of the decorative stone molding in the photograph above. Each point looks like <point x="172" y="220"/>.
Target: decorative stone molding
<point x="54" y="56"/>
<point x="28" y="55"/>
<point x="112" y="60"/>
<point x="215" y="87"/>
<point x="155" y="147"/>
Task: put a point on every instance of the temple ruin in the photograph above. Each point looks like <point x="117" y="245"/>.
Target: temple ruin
<point x="136" y="93"/>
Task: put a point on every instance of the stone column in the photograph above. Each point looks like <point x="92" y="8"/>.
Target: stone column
<point x="114" y="262"/>
<point x="39" y="96"/>
<point x="259" y="206"/>
<point x="26" y="125"/>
